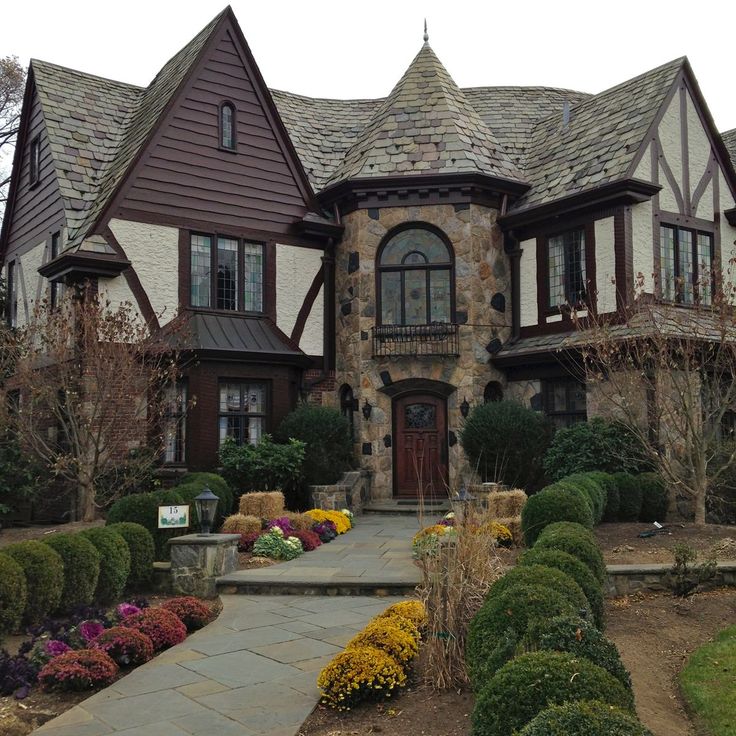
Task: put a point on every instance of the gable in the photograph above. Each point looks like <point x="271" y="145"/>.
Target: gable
<point x="183" y="176"/>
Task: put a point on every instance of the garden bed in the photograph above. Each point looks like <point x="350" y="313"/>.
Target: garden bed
<point x="13" y="534"/>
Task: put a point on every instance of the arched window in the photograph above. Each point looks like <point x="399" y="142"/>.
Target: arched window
<point x="227" y="126"/>
<point x="492" y="392"/>
<point x="415" y="278"/>
<point x="347" y="407"/>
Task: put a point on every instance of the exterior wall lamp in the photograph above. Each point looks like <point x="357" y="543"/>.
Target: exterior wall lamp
<point x="206" y="506"/>
<point x="367" y="409"/>
<point x="465" y="408"/>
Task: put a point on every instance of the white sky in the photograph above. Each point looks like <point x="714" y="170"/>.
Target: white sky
<point x="350" y="49"/>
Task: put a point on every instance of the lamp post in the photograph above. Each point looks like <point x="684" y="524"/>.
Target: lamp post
<point x="461" y="502"/>
<point x="206" y="506"/>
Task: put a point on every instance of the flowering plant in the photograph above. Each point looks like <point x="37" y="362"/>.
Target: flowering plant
<point x="309" y="540"/>
<point x="17" y="674"/>
<point x="125" y="646"/>
<point x="163" y="627"/>
<point x="340" y="520"/>
<point x="325" y="530"/>
<point x="248" y="540"/>
<point x="283" y="523"/>
<point x="194" y="614"/>
<point x="349" y="514"/>
<point x="384" y="634"/>
<point x="78" y="670"/>
<point x="427" y="541"/>
<point x="274" y="545"/>
<point x="90" y="630"/>
<point x="127" y="609"/>
<point x="45" y="649"/>
<point x="414" y="611"/>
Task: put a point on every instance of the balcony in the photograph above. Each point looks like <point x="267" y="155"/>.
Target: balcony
<point x="440" y="339"/>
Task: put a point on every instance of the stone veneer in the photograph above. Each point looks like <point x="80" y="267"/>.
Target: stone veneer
<point x="481" y="270"/>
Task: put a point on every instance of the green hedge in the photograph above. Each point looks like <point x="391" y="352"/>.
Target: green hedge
<point x="81" y="569"/>
<point x="44" y="571"/>
<point x="114" y="562"/>
<point x="584" y="718"/>
<point x="630" y="496"/>
<point x="654" y="497"/>
<point x="607" y="482"/>
<point x="218" y="485"/>
<point x="13" y="595"/>
<point x="554" y="503"/>
<point x="593" y="489"/>
<point x="142" y="553"/>
<point x="533" y="682"/>
<point x="575" y="569"/>
<point x="579" y="545"/>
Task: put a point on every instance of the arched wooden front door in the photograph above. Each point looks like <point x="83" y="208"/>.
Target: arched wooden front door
<point x="420" y="446"/>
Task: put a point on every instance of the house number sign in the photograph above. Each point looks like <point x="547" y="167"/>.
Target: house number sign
<point x="173" y="517"/>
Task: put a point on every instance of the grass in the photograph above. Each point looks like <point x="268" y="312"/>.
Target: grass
<point x="709" y="683"/>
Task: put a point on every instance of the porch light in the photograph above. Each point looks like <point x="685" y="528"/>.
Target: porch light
<point x="461" y="503"/>
<point x="206" y="506"/>
<point x="465" y="408"/>
<point x="367" y="409"/>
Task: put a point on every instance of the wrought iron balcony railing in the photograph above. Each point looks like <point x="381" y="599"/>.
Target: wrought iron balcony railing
<point x="439" y="338"/>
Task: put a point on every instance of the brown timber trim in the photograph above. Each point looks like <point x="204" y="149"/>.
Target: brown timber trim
<point x="83" y="265"/>
<point x="717" y="248"/>
<point x="730" y="216"/>
<point x="134" y="283"/>
<point x="656" y="247"/>
<point x="307" y="305"/>
<point x="184" y="268"/>
<point x="269" y="281"/>
<point x="703" y="185"/>
<point x="670" y="177"/>
<point x="624" y="256"/>
<point x="685" y="148"/>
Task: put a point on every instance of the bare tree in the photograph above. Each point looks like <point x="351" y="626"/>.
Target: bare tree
<point x="12" y="80"/>
<point x="668" y="371"/>
<point x="92" y="384"/>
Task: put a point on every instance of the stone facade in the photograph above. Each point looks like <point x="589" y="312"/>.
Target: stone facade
<point x="352" y="492"/>
<point x="481" y="270"/>
<point x="198" y="560"/>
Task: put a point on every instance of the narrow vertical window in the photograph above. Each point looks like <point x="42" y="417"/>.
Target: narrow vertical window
<point x="253" y="277"/>
<point x="55" y="287"/>
<point x="11" y="296"/>
<point x="566" y="257"/>
<point x="201" y="271"/>
<point x="227" y="126"/>
<point x="227" y="273"/>
<point x="175" y="423"/>
<point x="35" y="162"/>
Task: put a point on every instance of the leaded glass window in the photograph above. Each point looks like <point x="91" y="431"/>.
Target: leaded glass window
<point x="242" y="411"/>
<point x="253" y="281"/>
<point x="420" y="416"/>
<point x="201" y="283"/>
<point x="227" y="126"/>
<point x="175" y="427"/>
<point x="686" y="265"/>
<point x="566" y="257"/>
<point x="227" y="273"/>
<point x="415" y="279"/>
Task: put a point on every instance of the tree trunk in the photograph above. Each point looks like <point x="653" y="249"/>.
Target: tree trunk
<point x="699" y="504"/>
<point x="87" y="507"/>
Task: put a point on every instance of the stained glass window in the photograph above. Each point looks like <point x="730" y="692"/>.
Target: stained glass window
<point x="565" y="402"/>
<point x="175" y="428"/>
<point x="420" y="416"/>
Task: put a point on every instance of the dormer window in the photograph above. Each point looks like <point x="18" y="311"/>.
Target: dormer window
<point x="35" y="163"/>
<point x="227" y="126"/>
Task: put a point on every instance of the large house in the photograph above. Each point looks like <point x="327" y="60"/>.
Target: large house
<point x="401" y="258"/>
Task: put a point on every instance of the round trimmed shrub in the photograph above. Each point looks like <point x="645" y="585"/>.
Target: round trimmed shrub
<point x="81" y="569"/>
<point x="164" y="628"/>
<point x="219" y="486"/>
<point x="654" y="497"/>
<point x="575" y="569"/>
<point x="584" y="718"/>
<point x="551" y="504"/>
<point x="569" y="527"/>
<point x="114" y="562"/>
<point x="142" y="553"/>
<point x="540" y="574"/>
<point x="586" y="483"/>
<point x="607" y="482"/>
<point x="506" y="441"/>
<point x="500" y="623"/>
<point x="127" y="647"/>
<point x="44" y="572"/>
<point x="579" y="545"/>
<point x="13" y="594"/>
<point x="531" y="683"/>
<point x="630" y="497"/>
<point x="80" y="669"/>
<point x="579" y="637"/>
<point x="192" y="612"/>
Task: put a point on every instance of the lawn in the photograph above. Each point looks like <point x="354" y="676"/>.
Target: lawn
<point x="709" y="683"/>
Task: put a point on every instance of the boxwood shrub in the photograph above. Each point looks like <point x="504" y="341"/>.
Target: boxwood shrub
<point x="114" y="562"/>
<point x="654" y="497"/>
<point x="584" y="718"/>
<point x="44" y="571"/>
<point x="529" y="684"/>
<point x="554" y="503"/>
<point x="12" y="595"/>
<point x="142" y="553"/>
<point x="579" y="545"/>
<point x="590" y="486"/>
<point x="607" y="482"/>
<point x="218" y="485"/>
<point x="81" y="568"/>
<point x="577" y="570"/>
<point x="630" y="497"/>
<point x="500" y="623"/>
<point x="579" y="637"/>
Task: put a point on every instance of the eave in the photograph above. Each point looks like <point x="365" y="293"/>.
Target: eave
<point x="319" y="227"/>
<point x="624" y="191"/>
<point x="730" y="215"/>
<point x="77" y="266"/>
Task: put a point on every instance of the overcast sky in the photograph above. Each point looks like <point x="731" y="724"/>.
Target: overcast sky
<point x="360" y="49"/>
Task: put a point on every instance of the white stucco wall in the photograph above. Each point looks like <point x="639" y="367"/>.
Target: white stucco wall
<point x="528" y="283"/>
<point x="30" y="286"/>
<point x="295" y="271"/>
<point x="153" y="251"/>
<point x="117" y="292"/>
<point x="728" y="233"/>
<point x="605" y="265"/>
<point x="704" y="209"/>
<point x="699" y="156"/>
<point x="644" y="167"/>
<point x="671" y="141"/>
<point x="643" y="244"/>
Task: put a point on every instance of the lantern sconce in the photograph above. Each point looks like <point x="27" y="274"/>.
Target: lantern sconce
<point x="206" y="505"/>
<point x="465" y="408"/>
<point x="367" y="409"/>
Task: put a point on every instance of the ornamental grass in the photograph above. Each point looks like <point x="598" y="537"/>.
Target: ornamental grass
<point x="340" y="520"/>
<point x="360" y="674"/>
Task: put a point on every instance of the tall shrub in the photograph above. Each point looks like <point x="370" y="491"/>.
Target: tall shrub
<point x="114" y="562"/>
<point x="328" y="447"/>
<point x="506" y="442"/>
<point x="81" y="568"/>
<point x="142" y="553"/>
<point x="12" y="594"/>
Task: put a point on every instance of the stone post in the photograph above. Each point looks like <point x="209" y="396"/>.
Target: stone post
<point x="198" y="560"/>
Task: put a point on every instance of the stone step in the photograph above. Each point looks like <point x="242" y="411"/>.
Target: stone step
<point x="408" y="508"/>
<point x="229" y="585"/>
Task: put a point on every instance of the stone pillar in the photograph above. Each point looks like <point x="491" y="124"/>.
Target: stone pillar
<point x="198" y="560"/>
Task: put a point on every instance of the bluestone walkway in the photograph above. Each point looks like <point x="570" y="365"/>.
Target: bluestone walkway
<point x="253" y="671"/>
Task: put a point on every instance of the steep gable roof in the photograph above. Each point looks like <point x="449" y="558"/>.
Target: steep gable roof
<point x="729" y="140"/>
<point x="600" y="141"/>
<point x="426" y="125"/>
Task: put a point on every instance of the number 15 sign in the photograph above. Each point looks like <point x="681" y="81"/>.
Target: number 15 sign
<point x="172" y="517"/>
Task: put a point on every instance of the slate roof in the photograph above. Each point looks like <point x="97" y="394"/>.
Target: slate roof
<point x="729" y="139"/>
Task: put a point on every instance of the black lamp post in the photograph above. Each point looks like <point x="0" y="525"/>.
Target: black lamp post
<point x="367" y="409"/>
<point x="206" y="505"/>
<point x="465" y="408"/>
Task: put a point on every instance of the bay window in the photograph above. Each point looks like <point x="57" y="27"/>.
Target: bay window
<point x="242" y="411"/>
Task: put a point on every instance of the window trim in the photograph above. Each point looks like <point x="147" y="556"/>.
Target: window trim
<point x="240" y="287"/>
<point x="695" y="231"/>
<point x="220" y="127"/>
<point x="265" y="414"/>
<point x="34" y="164"/>
<point x="547" y="386"/>
<point x="428" y="268"/>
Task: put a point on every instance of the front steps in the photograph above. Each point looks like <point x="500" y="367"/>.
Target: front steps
<point x="408" y="507"/>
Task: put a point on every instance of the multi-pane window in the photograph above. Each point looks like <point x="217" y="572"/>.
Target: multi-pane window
<point x="566" y="259"/>
<point x="415" y="279"/>
<point x="34" y="173"/>
<point x="242" y="411"/>
<point x="238" y="273"/>
<point x="564" y="402"/>
<point x="175" y="423"/>
<point x="227" y="126"/>
<point x="686" y="265"/>
<point x="55" y="287"/>
<point x="11" y="295"/>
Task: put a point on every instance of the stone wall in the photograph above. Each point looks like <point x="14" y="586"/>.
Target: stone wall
<point x="629" y="579"/>
<point x="352" y="492"/>
<point x="481" y="270"/>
